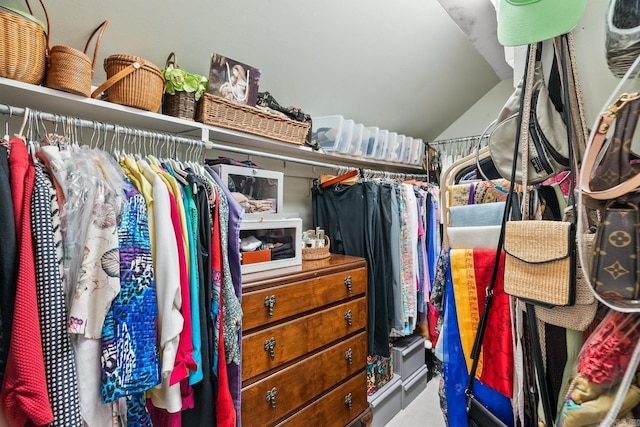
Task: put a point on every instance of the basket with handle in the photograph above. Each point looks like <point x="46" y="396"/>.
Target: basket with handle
<point x="132" y="81"/>
<point x="71" y="70"/>
<point x="182" y="104"/>
<point x="24" y="42"/>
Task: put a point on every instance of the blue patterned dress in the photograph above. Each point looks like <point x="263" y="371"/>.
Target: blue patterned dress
<point x="130" y="357"/>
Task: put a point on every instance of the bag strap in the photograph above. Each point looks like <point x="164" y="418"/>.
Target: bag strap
<point x="117" y="77"/>
<point x="488" y="300"/>
<point x="594" y="151"/>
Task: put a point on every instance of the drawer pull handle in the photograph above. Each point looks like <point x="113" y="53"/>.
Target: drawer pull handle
<point x="348" y="355"/>
<point x="269" y="302"/>
<point x="271" y="397"/>
<point x="270" y="345"/>
<point x="347" y="317"/>
<point x="348" y="400"/>
<point x="347" y="283"/>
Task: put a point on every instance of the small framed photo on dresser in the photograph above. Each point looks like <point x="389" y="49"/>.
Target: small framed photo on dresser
<point x="233" y="80"/>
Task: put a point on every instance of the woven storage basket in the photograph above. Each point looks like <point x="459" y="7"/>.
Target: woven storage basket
<point x="71" y="70"/>
<point x="310" y="254"/>
<point x="133" y="82"/>
<point x="217" y="111"/>
<point x="24" y="42"/>
<point x="181" y="104"/>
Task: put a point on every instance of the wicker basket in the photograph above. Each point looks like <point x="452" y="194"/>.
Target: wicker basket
<point x="311" y="254"/>
<point x="133" y="82"/>
<point x="23" y="45"/>
<point x="71" y="70"/>
<point x="181" y="104"/>
<point x="217" y="111"/>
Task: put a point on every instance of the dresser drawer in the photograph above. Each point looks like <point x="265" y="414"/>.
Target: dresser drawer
<point x="269" y="348"/>
<point x="292" y="387"/>
<point x="279" y="302"/>
<point x="337" y="408"/>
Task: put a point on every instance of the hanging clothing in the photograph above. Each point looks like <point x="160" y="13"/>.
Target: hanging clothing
<point x="59" y="360"/>
<point x="129" y="350"/>
<point x="8" y="259"/>
<point x="24" y="390"/>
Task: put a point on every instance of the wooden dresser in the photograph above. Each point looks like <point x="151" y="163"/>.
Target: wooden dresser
<point x="304" y="344"/>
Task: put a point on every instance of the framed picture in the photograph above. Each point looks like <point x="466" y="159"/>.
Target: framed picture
<point x="233" y="80"/>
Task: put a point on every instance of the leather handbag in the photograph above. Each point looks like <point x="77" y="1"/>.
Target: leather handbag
<point x="614" y="268"/>
<point x="612" y="184"/>
<point x="548" y="146"/>
<point x="479" y="416"/>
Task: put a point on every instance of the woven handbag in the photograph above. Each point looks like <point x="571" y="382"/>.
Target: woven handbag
<point x="540" y="262"/>
<point x="24" y="42"/>
<point x="133" y="82"/>
<point x="71" y="70"/>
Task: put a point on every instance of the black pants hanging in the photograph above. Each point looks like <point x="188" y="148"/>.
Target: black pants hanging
<point x="352" y="218"/>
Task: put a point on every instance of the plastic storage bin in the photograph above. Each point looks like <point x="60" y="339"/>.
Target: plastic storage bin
<point x="330" y="131"/>
<point x="381" y="145"/>
<point x="364" y="140"/>
<point x="395" y="151"/>
<point x="406" y="150"/>
<point x="260" y="191"/>
<point x="389" y="145"/>
<point x="281" y="238"/>
<point x="417" y="152"/>
<point x="349" y="146"/>
<point x="368" y="147"/>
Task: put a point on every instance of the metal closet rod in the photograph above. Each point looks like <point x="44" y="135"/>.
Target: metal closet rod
<point x="106" y="127"/>
<point x="456" y="140"/>
<point x="103" y="127"/>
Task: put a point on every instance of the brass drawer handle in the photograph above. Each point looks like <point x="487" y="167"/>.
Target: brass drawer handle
<point x="271" y="397"/>
<point x="348" y="355"/>
<point x="270" y="345"/>
<point x="347" y="317"/>
<point x="347" y="283"/>
<point x="348" y="400"/>
<point x="269" y="302"/>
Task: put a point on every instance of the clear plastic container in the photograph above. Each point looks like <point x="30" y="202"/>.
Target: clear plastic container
<point x="364" y="140"/>
<point x="368" y="146"/>
<point x="330" y="131"/>
<point x="417" y="152"/>
<point x="389" y="146"/>
<point x="379" y="150"/>
<point x="349" y="146"/>
<point x="395" y="151"/>
<point x="407" y="147"/>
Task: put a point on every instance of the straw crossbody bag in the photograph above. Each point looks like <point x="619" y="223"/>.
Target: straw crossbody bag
<point x="540" y="255"/>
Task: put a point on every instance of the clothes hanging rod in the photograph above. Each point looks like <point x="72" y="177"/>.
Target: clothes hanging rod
<point x="103" y="127"/>
<point x="456" y="140"/>
<point x="106" y="127"/>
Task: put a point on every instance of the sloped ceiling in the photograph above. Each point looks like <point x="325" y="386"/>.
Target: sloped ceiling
<point x="404" y="65"/>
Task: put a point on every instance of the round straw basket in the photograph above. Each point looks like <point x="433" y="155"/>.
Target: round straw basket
<point x="181" y="104"/>
<point x="311" y="254"/>
<point x="133" y="82"/>
<point x="71" y="70"/>
<point x="23" y="45"/>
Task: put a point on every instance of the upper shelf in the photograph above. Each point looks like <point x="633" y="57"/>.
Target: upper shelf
<point x="19" y="94"/>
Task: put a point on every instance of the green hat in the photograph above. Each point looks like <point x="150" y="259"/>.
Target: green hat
<point x="522" y="22"/>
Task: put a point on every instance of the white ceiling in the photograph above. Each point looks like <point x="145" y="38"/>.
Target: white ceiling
<point x="404" y="65"/>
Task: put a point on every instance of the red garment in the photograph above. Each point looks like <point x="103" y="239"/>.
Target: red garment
<point x="184" y="357"/>
<point x="497" y="347"/>
<point x="225" y="407"/>
<point x="24" y="391"/>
